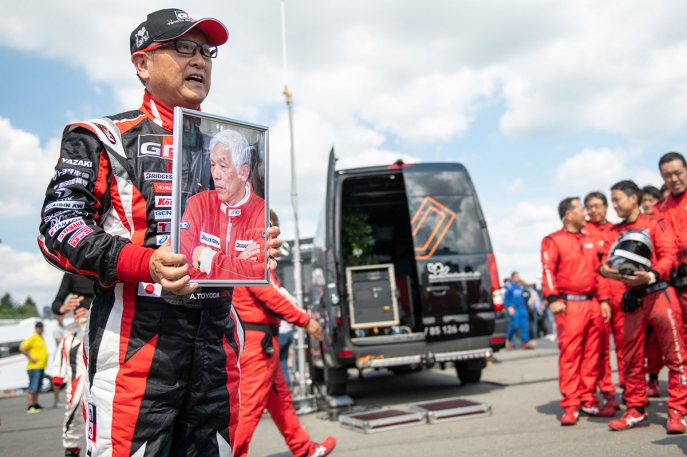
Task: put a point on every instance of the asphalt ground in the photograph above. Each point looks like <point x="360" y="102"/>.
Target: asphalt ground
<point x="521" y="387"/>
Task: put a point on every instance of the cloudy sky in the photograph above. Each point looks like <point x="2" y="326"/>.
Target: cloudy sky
<point x="540" y="100"/>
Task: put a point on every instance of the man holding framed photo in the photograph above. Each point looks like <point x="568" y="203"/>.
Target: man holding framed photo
<point x="162" y="355"/>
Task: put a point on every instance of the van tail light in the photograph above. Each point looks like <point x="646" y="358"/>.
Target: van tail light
<point x="498" y="340"/>
<point x="496" y="295"/>
<point x="345" y="354"/>
<point x="339" y="320"/>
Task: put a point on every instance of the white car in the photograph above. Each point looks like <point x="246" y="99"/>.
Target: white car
<point x="13" y="363"/>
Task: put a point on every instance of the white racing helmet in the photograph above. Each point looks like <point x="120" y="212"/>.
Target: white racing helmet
<point x="631" y="252"/>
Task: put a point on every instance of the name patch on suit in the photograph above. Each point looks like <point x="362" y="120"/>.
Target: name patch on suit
<point x="210" y="240"/>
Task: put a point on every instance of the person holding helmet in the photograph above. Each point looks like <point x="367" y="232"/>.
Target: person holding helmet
<point x="578" y="298"/>
<point x="643" y="260"/>
<point x="598" y="227"/>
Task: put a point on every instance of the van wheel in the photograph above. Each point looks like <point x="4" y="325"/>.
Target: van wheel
<point x="46" y="384"/>
<point x="335" y="380"/>
<point x="470" y="372"/>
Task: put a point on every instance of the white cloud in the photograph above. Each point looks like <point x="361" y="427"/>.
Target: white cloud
<point x="26" y="274"/>
<point x="598" y="169"/>
<point x="515" y="186"/>
<point x="517" y="236"/>
<point x="25" y="172"/>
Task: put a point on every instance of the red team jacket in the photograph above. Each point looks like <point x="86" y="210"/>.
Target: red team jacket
<point x="268" y="305"/>
<point x="674" y="211"/>
<point x="210" y="223"/>
<point x="571" y="263"/>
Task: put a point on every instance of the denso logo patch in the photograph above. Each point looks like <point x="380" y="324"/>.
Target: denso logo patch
<point x="241" y="245"/>
<point x="148" y="175"/>
<point x="155" y="146"/>
<point x="162" y="214"/>
<point x="78" y="236"/>
<point x="162" y="187"/>
<point x="208" y="239"/>
<point x="163" y="201"/>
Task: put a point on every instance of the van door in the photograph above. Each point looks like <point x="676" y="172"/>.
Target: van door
<point x="451" y="243"/>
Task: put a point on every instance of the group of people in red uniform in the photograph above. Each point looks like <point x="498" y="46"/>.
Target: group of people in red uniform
<point x="645" y="310"/>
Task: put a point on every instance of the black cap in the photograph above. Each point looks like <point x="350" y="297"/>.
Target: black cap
<point x="39" y="324"/>
<point x="165" y="25"/>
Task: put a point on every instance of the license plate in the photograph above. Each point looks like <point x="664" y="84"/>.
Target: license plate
<point x="447" y="331"/>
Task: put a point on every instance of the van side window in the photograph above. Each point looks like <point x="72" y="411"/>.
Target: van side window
<point x="9" y="349"/>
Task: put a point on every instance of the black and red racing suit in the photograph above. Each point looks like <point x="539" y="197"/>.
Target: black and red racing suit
<point x="163" y="372"/>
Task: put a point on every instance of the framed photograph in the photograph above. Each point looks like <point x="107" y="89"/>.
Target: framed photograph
<point x="219" y="198"/>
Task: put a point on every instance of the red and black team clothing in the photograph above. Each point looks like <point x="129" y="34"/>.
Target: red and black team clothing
<point x="662" y="311"/>
<point x="603" y="235"/>
<point x="570" y="262"/>
<point x="163" y="374"/>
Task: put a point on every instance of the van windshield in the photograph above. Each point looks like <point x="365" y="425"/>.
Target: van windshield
<point x="444" y="213"/>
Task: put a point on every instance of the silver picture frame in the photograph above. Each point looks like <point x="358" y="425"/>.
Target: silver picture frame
<point x="220" y="211"/>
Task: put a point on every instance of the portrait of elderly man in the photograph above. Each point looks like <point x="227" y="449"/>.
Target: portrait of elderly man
<point x="223" y="230"/>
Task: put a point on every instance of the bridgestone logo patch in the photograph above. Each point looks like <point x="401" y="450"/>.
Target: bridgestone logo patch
<point x="148" y="175"/>
<point x="241" y="245"/>
<point x="210" y="240"/>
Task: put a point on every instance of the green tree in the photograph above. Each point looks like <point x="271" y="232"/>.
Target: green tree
<point x="357" y="240"/>
<point x="10" y="309"/>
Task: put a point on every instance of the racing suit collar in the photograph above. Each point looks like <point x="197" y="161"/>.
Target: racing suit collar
<point x="224" y="207"/>
<point x="160" y="114"/>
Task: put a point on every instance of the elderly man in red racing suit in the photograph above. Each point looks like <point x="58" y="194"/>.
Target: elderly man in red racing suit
<point x="574" y="291"/>
<point x="673" y="209"/>
<point x="262" y="380"/>
<point x="649" y="300"/>
<point x="162" y="354"/>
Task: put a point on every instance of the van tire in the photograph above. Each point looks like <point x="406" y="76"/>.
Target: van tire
<point x="335" y="380"/>
<point x="470" y="372"/>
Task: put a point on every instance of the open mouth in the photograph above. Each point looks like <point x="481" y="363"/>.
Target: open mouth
<point x="195" y="78"/>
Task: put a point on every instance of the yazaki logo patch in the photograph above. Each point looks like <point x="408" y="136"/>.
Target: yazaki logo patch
<point x="155" y="146"/>
<point x="77" y="163"/>
<point x="162" y="187"/>
<point x="210" y="240"/>
<point x="163" y="201"/>
<point x="241" y="245"/>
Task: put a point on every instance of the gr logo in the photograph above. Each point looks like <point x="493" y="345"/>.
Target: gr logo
<point x="155" y="146"/>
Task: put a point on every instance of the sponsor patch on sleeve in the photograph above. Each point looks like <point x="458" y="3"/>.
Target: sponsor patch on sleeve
<point x="210" y="240"/>
<point x="163" y="201"/>
<point x="185" y="225"/>
<point x="161" y="239"/>
<point x="78" y="236"/>
<point x="162" y="187"/>
<point x="70" y="228"/>
<point x="64" y="204"/>
<point x="162" y="214"/>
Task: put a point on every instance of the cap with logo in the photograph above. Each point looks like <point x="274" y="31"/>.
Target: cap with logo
<point x="168" y="24"/>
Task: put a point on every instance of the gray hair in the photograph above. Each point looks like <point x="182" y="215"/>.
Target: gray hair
<point x="236" y="143"/>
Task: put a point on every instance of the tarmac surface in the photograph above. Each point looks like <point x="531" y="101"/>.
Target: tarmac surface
<point x="521" y="387"/>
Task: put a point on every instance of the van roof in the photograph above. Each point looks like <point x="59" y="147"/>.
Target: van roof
<point x="424" y="166"/>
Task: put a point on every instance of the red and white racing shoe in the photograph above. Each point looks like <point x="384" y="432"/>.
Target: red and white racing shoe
<point x="322" y="449"/>
<point x="630" y="419"/>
